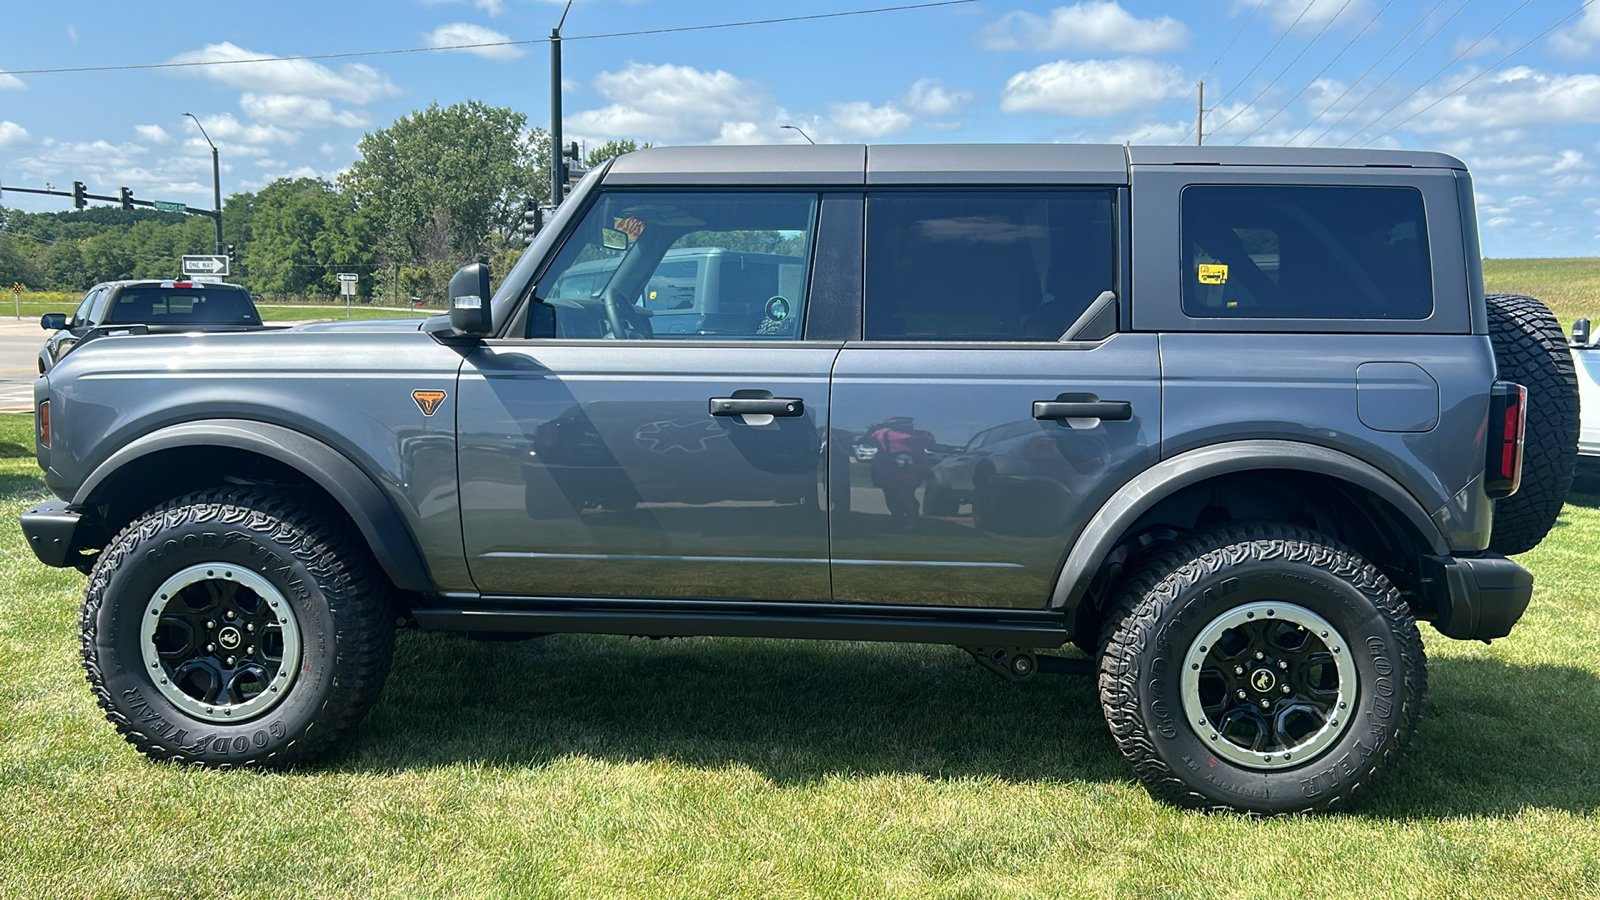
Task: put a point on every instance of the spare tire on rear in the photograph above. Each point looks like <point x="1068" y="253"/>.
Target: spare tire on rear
<point x="1531" y="350"/>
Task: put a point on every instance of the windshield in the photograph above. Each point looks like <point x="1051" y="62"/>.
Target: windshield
<point x="181" y="306"/>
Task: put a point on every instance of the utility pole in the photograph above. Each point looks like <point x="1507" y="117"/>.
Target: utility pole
<point x="558" y="173"/>
<point x="1200" y="116"/>
<point x="216" y="181"/>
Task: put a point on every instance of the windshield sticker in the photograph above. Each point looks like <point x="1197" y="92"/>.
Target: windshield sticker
<point x="613" y="239"/>
<point x="1213" y="274"/>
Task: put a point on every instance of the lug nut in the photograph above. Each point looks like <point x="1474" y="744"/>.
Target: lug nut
<point x="211" y="648"/>
<point x="211" y="623"/>
<point x="1238" y="670"/>
<point x="1286" y="689"/>
<point x="1265" y="704"/>
<point x="250" y="627"/>
<point x="1241" y="695"/>
<point x="1260" y="655"/>
<point x="1283" y="664"/>
<point x="230" y="660"/>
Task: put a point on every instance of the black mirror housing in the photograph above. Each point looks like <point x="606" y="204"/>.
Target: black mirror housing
<point x="469" y="300"/>
<point x="53" y="321"/>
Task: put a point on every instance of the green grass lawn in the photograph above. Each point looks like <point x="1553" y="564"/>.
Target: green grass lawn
<point x="577" y="766"/>
<point x="1570" y="287"/>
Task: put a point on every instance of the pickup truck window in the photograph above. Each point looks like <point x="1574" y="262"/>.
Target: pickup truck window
<point x="181" y="306"/>
<point x="704" y="266"/>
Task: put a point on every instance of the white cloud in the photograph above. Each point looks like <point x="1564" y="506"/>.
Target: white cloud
<point x="1092" y="88"/>
<point x="356" y="83"/>
<point x="929" y="98"/>
<point x="1297" y="14"/>
<point x="225" y="128"/>
<point x="674" y="103"/>
<point x="11" y="83"/>
<point x="12" y="134"/>
<point x="155" y="134"/>
<point x="862" y="119"/>
<point x="457" y="34"/>
<point x="492" y="7"/>
<point x="1581" y="38"/>
<point x="1516" y="97"/>
<point x="72" y="34"/>
<point x="299" y="112"/>
<point x="1096" y="25"/>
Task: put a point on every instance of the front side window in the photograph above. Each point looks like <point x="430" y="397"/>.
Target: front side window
<point x="1305" y="252"/>
<point x="81" y="316"/>
<point x="985" y="265"/>
<point x="681" y="266"/>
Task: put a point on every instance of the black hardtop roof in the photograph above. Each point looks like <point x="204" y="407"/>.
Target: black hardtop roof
<point x="911" y="164"/>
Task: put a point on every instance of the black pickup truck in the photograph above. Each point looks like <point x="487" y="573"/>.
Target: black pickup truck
<point x="128" y="307"/>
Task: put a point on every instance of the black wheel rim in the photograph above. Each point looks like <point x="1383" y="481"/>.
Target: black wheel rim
<point x="1269" y="685"/>
<point x="220" y="642"/>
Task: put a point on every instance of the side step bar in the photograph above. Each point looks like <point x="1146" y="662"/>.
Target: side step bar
<point x="717" y="618"/>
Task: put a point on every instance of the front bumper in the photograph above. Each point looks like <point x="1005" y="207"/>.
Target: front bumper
<point x="1476" y="598"/>
<point x="50" y="528"/>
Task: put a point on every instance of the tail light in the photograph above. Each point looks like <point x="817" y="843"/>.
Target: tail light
<point x="1508" y="418"/>
<point x="44" y="424"/>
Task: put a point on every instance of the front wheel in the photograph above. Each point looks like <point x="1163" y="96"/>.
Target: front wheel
<point x="1261" y="668"/>
<point x="236" y="627"/>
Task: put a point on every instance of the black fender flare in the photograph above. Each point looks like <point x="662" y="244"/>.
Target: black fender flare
<point x="1145" y="490"/>
<point x="392" y="543"/>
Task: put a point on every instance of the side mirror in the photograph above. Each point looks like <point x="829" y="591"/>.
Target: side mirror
<point x="1580" y="333"/>
<point x="53" y="321"/>
<point x="469" y="300"/>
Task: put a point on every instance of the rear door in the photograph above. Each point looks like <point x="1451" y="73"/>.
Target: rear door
<point x="600" y="457"/>
<point x="967" y="293"/>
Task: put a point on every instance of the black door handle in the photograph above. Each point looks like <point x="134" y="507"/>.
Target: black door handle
<point x="757" y="406"/>
<point x="1107" y="410"/>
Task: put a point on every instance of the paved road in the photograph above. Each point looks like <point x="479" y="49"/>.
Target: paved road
<point x="19" y="362"/>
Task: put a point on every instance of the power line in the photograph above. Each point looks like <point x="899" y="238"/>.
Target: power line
<point x="1369" y="70"/>
<point x="1229" y="46"/>
<point x="1325" y="26"/>
<point x="1253" y="68"/>
<point x="1469" y="81"/>
<point x="1336" y="58"/>
<point x="582" y="37"/>
<point x="1435" y="76"/>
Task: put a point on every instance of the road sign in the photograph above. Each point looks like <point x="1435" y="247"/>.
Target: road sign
<point x="349" y="276"/>
<point x="205" y="265"/>
<point x="169" y="206"/>
<point x="206" y="279"/>
<point x="347" y="288"/>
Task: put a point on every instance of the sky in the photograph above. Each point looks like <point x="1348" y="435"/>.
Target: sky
<point x="1512" y="87"/>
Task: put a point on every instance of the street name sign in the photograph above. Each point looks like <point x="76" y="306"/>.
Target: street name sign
<point x="169" y="206"/>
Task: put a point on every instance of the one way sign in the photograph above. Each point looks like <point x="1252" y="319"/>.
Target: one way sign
<point x="205" y="265"/>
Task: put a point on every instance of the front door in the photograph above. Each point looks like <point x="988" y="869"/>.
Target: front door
<point x="602" y="457"/>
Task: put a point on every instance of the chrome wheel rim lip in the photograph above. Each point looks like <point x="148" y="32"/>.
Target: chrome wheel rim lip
<point x="161" y="674"/>
<point x="1310" y="748"/>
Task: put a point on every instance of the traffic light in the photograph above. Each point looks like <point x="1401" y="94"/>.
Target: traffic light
<point x="78" y="200"/>
<point x="572" y="165"/>
<point x="532" y="220"/>
<point x="127" y="198"/>
<point x="233" y="258"/>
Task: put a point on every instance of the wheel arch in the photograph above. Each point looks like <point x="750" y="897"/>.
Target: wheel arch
<point x="228" y="443"/>
<point x="1116" y="520"/>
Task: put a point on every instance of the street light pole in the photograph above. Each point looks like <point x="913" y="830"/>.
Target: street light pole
<point x="216" y="182"/>
<point x="558" y="169"/>
<point x="797" y="128"/>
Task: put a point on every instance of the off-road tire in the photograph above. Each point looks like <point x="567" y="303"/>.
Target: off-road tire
<point x="1531" y="350"/>
<point x="1163" y="610"/>
<point x="342" y="607"/>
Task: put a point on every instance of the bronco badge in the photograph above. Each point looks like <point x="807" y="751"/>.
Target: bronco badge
<point x="428" y="401"/>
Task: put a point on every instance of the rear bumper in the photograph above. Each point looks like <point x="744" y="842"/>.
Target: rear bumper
<point x="49" y="529"/>
<point x="1476" y="598"/>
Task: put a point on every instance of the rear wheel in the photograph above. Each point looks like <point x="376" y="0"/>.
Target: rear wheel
<point x="235" y="627"/>
<point x="1531" y="350"/>
<point x="1261" y="668"/>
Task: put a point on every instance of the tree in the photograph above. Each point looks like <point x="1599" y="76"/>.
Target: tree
<point x="437" y="182"/>
<point x="611" y="150"/>
<point x="303" y="232"/>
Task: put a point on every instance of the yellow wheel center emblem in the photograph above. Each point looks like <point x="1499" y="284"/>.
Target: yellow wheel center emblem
<point x="1263" y="680"/>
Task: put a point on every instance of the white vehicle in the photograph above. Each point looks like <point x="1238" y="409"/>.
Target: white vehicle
<point x="1586" y="360"/>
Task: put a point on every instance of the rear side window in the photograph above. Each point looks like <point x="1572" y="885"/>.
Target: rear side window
<point x="181" y="306"/>
<point x="985" y="265"/>
<point x="1305" y="252"/>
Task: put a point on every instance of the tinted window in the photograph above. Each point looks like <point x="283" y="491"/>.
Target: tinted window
<point x="681" y="265"/>
<point x="81" y="315"/>
<point x="989" y="266"/>
<point x="1305" y="252"/>
<point x="181" y="306"/>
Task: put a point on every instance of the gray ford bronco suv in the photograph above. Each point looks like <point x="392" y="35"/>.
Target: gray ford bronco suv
<point x="1231" y="421"/>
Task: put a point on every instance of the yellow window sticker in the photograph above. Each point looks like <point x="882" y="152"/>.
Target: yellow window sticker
<point x="630" y="226"/>
<point x="1213" y="273"/>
